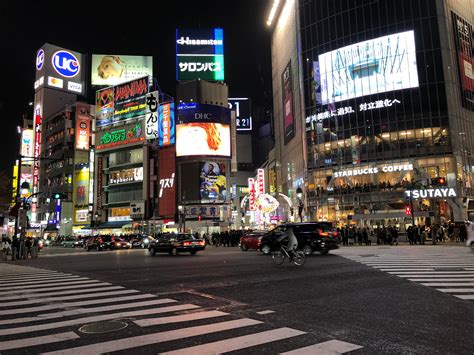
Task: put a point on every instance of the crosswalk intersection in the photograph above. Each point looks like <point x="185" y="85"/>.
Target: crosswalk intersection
<point x="44" y="311"/>
<point x="447" y="269"/>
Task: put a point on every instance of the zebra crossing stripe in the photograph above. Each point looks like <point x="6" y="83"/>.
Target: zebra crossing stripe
<point x="450" y="284"/>
<point x="84" y="284"/>
<point x="74" y="304"/>
<point x="455" y="290"/>
<point x="155" y="338"/>
<point x="39" y="283"/>
<point x="79" y="311"/>
<point x="34" y="278"/>
<point x="465" y="297"/>
<point x="238" y="343"/>
<point x="441" y="280"/>
<point x="428" y="273"/>
<point x="181" y="318"/>
<point x="406" y="269"/>
<point x="417" y="277"/>
<point x="59" y="283"/>
<point x="66" y="298"/>
<point x="30" y="274"/>
<point x="325" y="348"/>
<point x="38" y="296"/>
<point x="41" y="340"/>
<point x="92" y="319"/>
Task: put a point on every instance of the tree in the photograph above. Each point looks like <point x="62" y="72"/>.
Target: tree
<point x="5" y="190"/>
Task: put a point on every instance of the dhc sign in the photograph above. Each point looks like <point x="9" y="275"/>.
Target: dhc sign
<point x="66" y="64"/>
<point x="432" y="193"/>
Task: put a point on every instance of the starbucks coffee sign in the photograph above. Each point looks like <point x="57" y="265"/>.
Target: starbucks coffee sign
<point x="432" y="193"/>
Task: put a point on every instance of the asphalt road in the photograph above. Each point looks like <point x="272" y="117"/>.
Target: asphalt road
<point x="332" y="297"/>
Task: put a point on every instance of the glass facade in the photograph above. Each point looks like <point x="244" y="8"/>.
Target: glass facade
<point x="375" y="97"/>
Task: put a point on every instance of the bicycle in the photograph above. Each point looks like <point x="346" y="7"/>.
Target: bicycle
<point x="298" y="257"/>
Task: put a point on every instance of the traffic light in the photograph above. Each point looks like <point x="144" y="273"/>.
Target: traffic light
<point x="408" y="210"/>
<point x="59" y="196"/>
<point x="439" y="181"/>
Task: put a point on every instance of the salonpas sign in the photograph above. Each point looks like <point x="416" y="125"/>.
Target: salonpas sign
<point x="432" y="193"/>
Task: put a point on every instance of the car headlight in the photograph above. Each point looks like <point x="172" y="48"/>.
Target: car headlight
<point x="146" y="241"/>
<point x="117" y="244"/>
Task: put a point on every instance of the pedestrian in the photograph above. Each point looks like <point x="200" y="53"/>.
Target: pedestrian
<point x="365" y="236"/>
<point x="394" y="236"/>
<point x="5" y="248"/>
<point x="15" y="245"/>
<point x="34" y="248"/>
<point x="351" y="236"/>
<point x="344" y="232"/>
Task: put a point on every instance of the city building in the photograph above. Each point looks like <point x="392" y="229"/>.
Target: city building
<point x="381" y="103"/>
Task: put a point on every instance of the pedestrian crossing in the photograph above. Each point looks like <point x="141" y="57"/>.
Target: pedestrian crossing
<point x="43" y="311"/>
<point x="449" y="270"/>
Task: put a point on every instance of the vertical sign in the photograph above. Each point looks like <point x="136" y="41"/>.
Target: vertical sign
<point x="233" y="137"/>
<point x="37" y="147"/>
<point x="288" y="110"/>
<point x="83" y="126"/>
<point x="99" y="177"/>
<point x="166" y="182"/>
<point x="260" y="182"/>
<point x="151" y="115"/>
<point x="251" y="182"/>
<point x="166" y="125"/>
<point x="464" y="49"/>
<point x="27" y="145"/>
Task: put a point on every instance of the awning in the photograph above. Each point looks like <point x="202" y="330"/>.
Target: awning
<point x="112" y="225"/>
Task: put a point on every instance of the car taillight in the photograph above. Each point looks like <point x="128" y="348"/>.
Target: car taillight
<point x="186" y="244"/>
<point x="202" y="242"/>
<point x="323" y="234"/>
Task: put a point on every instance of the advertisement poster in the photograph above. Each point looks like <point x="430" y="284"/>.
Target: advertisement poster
<point x="108" y="70"/>
<point x="288" y="109"/>
<point x="203" y="130"/>
<point x="213" y="183"/>
<point x="27" y="146"/>
<point x="464" y="49"/>
<point x="200" y="54"/>
<point x="378" y="65"/>
<point x="243" y="113"/>
<point x="166" y="125"/>
<point x="151" y="117"/>
<point x="104" y="107"/>
<point x="129" y="134"/>
<point x="130" y="99"/>
<point x="83" y="128"/>
<point x="166" y="183"/>
<point x="81" y="192"/>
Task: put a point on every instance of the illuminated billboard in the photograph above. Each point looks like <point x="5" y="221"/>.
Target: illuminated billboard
<point x="200" y="54"/>
<point x="83" y="126"/>
<point x="243" y="112"/>
<point x="166" y="125"/>
<point x="115" y="138"/>
<point x="213" y="183"/>
<point x="288" y="108"/>
<point x="203" y="130"/>
<point x="121" y="102"/>
<point x="27" y="146"/>
<point x="167" y="182"/>
<point x="81" y="194"/>
<point x="378" y="65"/>
<point x="108" y="70"/>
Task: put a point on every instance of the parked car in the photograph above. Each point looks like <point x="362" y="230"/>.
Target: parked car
<point x="174" y="244"/>
<point x="71" y="242"/>
<point x="312" y="236"/>
<point x="251" y="240"/>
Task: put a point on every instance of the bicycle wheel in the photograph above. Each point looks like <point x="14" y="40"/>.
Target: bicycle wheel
<point x="278" y="257"/>
<point x="299" y="258"/>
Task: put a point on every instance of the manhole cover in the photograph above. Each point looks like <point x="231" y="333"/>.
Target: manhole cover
<point x="103" y="327"/>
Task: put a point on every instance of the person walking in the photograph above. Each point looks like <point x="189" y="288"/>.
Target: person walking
<point x="394" y="236"/>
<point x="34" y="248"/>
<point x="344" y="232"/>
<point x="365" y="236"/>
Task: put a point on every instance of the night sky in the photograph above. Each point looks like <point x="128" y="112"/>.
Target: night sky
<point x="136" y="28"/>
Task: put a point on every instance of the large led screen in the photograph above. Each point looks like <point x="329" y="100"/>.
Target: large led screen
<point x="213" y="183"/>
<point x="203" y="130"/>
<point x="109" y="70"/>
<point x="378" y="65"/>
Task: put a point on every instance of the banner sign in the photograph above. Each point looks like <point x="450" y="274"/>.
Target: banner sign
<point x="27" y="145"/>
<point x="251" y="183"/>
<point x="213" y="182"/>
<point x="130" y="134"/>
<point x="83" y="123"/>
<point x="288" y="109"/>
<point x="209" y="212"/>
<point x="167" y="182"/>
<point x="166" y="125"/>
<point x="151" y="117"/>
<point x="260" y="182"/>
<point x="100" y="181"/>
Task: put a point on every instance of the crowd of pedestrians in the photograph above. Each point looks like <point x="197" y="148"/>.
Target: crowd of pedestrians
<point x="225" y="239"/>
<point x="17" y="249"/>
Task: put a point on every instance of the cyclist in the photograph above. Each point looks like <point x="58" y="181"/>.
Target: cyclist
<point x="292" y="244"/>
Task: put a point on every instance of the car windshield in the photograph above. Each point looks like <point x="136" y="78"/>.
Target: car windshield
<point x="185" y="237"/>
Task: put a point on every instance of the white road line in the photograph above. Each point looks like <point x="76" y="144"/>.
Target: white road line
<point x="446" y="284"/>
<point x="79" y="311"/>
<point x="35" y="277"/>
<point x="66" y="298"/>
<point x="455" y="290"/>
<point x="47" y="339"/>
<point x="181" y="318"/>
<point x="238" y="343"/>
<point x="40" y="282"/>
<point x="36" y="272"/>
<point x="265" y="312"/>
<point x="155" y="338"/>
<point x="465" y="297"/>
<point x="408" y="273"/>
<point x="422" y="265"/>
<point x="435" y="276"/>
<point x="59" y="283"/>
<point x="442" y="280"/>
<point x="86" y="284"/>
<point x="74" y="304"/>
<point x="99" y="318"/>
<point x="93" y="288"/>
<point x="325" y="348"/>
<point x="406" y="269"/>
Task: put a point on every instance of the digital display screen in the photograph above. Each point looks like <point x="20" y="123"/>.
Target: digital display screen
<point x="379" y="65"/>
<point x="213" y="183"/>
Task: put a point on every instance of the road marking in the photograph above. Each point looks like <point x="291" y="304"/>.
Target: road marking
<point x="450" y="284"/>
<point x="465" y="297"/>
<point x="35" y="278"/>
<point x="74" y="304"/>
<point x="238" y="343"/>
<point x="99" y="318"/>
<point x="428" y="273"/>
<point x="91" y="283"/>
<point x="96" y="288"/>
<point x="155" y="338"/>
<point x="79" y="311"/>
<point x="35" y="273"/>
<point x="66" y="298"/>
<point x="453" y="290"/>
<point x="265" y="312"/>
<point x="32" y="287"/>
<point x="41" y="340"/>
<point x="439" y="280"/>
<point x="38" y="283"/>
<point x="405" y="269"/>
<point x="181" y="318"/>
<point x="325" y="348"/>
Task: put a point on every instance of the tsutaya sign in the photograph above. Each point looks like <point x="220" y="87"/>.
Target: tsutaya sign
<point x="431" y="193"/>
<point x="375" y="170"/>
